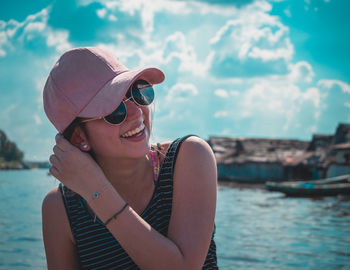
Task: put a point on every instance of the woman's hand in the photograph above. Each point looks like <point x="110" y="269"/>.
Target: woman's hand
<point x="76" y="169"/>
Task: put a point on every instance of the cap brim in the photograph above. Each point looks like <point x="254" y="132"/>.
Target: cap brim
<point x="113" y="92"/>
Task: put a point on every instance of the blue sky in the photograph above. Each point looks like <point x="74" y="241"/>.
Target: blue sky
<point x="267" y="69"/>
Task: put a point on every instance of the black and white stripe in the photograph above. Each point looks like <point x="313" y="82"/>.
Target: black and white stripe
<point x="96" y="246"/>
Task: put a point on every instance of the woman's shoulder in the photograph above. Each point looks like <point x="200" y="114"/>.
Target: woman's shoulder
<point x="53" y="199"/>
<point x="195" y="148"/>
<point x="192" y="147"/>
<point x="54" y="212"/>
<point x="53" y="205"/>
<point x="187" y="140"/>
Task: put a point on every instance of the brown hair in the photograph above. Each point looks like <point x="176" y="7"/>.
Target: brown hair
<point x="68" y="132"/>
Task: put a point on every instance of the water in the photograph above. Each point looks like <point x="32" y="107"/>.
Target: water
<point x="256" y="229"/>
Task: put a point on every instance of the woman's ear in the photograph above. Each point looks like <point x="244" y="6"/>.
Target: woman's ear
<point x="79" y="139"/>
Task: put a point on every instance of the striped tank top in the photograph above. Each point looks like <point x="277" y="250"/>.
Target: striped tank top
<point x="96" y="246"/>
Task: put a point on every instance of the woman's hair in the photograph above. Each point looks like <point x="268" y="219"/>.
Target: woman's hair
<point x="68" y="132"/>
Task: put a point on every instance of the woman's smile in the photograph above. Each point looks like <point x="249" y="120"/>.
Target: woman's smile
<point x="134" y="131"/>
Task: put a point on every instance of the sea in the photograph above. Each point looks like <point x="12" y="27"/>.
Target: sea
<point x="255" y="228"/>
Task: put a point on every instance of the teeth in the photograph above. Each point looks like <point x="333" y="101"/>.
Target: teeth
<point x="134" y="131"/>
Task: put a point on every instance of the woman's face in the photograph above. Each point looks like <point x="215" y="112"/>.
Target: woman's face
<point x="114" y="141"/>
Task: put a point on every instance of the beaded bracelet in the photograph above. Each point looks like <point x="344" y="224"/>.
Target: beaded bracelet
<point x="116" y="214"/>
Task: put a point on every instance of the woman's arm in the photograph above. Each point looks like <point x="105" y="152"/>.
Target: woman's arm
<point x="192" y="220"/>
<point x="194" y="201"/>
<point x="58" y="240"/>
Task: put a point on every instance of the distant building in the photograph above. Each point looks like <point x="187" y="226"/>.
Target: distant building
<point x="258" y="160"/>
<point x="337" y="162"/>
<point x="340" y="162"/>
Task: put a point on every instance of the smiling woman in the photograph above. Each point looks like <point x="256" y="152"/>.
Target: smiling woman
<point x="122" y="203"/>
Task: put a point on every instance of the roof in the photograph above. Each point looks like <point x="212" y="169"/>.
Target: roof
<point x="341" y="146"/>
<point x="243" y="150"/>
<point x="342" y="134"/>
<point x="320" y="141"/>
<point x="283" y="151"/>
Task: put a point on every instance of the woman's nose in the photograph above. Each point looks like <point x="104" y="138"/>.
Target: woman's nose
<point x="133" y="110"/>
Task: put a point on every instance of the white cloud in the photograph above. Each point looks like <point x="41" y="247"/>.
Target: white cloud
<point x="11" y="27"/>
<point x="182" y="92"/>
<point x="287" y="13"/>
<point x="301" y="72"/>
<point x="221" y="114"/>
<point x="176" y="105"/>
<point x="101" y="13"/>
<point x="234" y="93"/>
<point x="251" y="44"/>
<point x="314" y="95"/>
<point x="281" y="102"/>
<point x="176" y="47"/>
<point x="251" y="32"/>
<point x="3" y="40"/>
<point x="221" y="93"/>
<point x="226" y="131"/>
<point x="332" y="83"/>
<point x="112" y="18"/>
<point x="15" y="35"/>
<point x="9" y="108"/>
<point x="270" y="55"/>
<point x="59" y="40"/>
<point x="37" y="119"/>
<point x="147" y="10"/>
<point x="225" y="94"/>
<point x="268" y="97"/>
<point x="34" y="27"/>
<point x="337" y="95"/>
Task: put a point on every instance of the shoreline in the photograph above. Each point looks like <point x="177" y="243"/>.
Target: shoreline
<point x="23" y="165"/>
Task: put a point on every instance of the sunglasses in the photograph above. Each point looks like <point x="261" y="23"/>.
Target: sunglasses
<point x="141" y="93"/>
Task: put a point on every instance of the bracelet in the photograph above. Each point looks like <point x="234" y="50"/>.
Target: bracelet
<point x="116" y="214"/>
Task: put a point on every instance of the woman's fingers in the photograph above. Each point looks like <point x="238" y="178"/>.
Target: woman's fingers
<point x="54" y="172"/>
<point x="62" y="143"/>
<point x="57" y="151"/>
<point x="54" y="160"/>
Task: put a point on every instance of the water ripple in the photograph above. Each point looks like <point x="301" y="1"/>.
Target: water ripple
<point x="257" y="229"/>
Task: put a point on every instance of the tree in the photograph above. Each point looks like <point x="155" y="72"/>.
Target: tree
<point x="9" y="150"/>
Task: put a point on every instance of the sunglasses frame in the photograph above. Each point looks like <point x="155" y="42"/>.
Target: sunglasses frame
<point x="123" y="102"/>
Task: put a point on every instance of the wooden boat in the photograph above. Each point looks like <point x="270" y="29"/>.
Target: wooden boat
<point x="313" y="188"/>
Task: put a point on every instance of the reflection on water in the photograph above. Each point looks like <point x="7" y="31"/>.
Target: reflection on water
<point x="256" y="229"/>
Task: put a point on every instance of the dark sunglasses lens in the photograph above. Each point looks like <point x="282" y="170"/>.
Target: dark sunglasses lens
<point x="118" y="116"/>
<point x="143" y="94"/>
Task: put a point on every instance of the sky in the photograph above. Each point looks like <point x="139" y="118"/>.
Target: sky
<point x="244" y="68"/>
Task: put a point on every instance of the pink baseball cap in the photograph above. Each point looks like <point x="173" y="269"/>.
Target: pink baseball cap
<point x="89" y="82"/>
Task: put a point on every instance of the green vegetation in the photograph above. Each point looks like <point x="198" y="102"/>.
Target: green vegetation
<point x="10" y="156"/>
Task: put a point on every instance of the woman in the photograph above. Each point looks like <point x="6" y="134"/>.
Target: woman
<point x="122" y="204"/>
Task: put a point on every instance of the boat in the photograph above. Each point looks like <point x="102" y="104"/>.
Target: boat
<point x="314" y="188"/>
